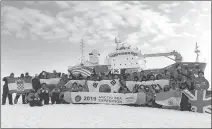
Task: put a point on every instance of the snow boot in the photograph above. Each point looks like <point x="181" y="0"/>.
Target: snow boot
<point x="15" y="101"/>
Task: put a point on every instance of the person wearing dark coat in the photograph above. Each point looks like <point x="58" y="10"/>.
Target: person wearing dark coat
<point x="36" y="83"/>
<point x="55" y="94"/>
<point x="142" y="76"/>
<point x="135" y="75"/>
<point x="61" y="96"/>
<point x="201" y="79"/>
<point x="34" y="99"/>
<point x="166" y="88"/>
<point x="18" y="95"/>
<point x="136" y="78"/>
<point x="29" y="80"/>
<point x="184" y="105"/>
<point x="123" y="89"/>
<point x="6" y="93"/>
<point x="74" y="87"/>
<point x="43" y="93"/>
<point x="159" y="77"/>
<point x="152" y="77"/>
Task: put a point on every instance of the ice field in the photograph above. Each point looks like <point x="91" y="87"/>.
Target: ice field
<point x="98" y="116"/>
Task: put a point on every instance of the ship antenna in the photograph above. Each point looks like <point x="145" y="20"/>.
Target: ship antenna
<point x="197" y="51"/>
<point x="82" y="46"/>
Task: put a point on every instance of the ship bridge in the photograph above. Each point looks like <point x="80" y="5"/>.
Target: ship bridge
<point x="125" y="57"/>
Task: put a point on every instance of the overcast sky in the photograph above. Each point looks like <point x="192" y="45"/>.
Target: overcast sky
<point x="38" y="36"/>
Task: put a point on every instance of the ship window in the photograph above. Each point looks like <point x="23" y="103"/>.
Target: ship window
<point x="132" y="58"/>
<point x="125" y="64"/>
<point x="127" y="58"/>
<point x="120" y="64"/>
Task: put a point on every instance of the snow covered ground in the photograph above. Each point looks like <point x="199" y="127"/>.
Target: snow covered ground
<point x="98" y="115"/>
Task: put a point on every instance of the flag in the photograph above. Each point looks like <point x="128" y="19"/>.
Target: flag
<point x="53" y="81"/>
<point x="116" y="71"/>
<point x="104" y="86"/>
<point x="80" y="70"/>
<point x="199" y="101"/>
<point x="169" y="98"/>
<point x="20" y="86"/>
<point x="71" y="82"/>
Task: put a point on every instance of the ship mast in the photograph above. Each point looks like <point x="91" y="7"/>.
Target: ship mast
<point x="82" y="46"/>
<point x="197" y="51"/>
<point x="117" y="43"/>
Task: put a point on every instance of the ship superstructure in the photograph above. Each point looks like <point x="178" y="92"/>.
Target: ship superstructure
<point x="128" y="59"/>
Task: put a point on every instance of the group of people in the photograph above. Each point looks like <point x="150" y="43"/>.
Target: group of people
<point x="41" y="94"/>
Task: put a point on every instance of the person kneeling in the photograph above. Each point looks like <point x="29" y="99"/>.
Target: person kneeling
<point x="61" y="95"/>
<point x="33" y="99"/>
<point x="82" y="88"/>
<point x="44" y="94"/>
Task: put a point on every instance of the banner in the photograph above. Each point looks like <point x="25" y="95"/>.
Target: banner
<point x="104" y="98"/>
<point x="50" y="81"/>
<point x="19" y="85"/>
<point x="169" y="98"/>
<point x="109" y="86"/>
<point x="156" y="85"/>
<point x="70" y="83"/>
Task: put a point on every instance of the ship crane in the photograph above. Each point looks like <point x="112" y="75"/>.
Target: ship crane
<point x="178" y="57"/>
<point x="82" y="46"/>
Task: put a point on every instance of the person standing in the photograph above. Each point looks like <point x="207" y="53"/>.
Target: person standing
<point x="28" y="79"/>
<point x="18" y="95"/>
<point x="184" y="104"/>
<point x="6" y="93"/>
<point x="200" y="82"/>
<point x="36" y="83"/>
<point x="27" y="76"/>
<point x="142" y="76"/>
